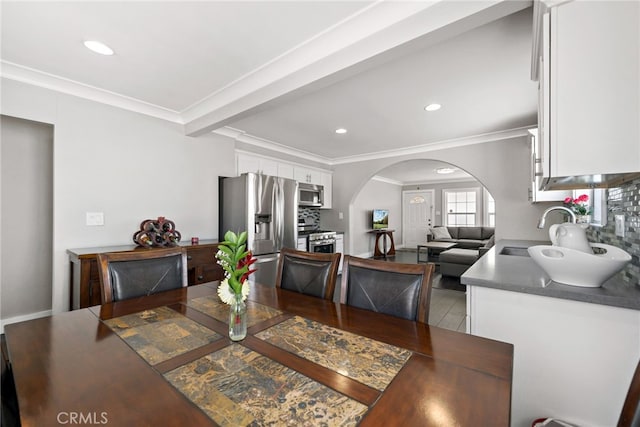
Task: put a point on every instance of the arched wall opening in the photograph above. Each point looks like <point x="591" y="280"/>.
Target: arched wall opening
<point x="502" y="166"/>
<point x="414" y="193"/>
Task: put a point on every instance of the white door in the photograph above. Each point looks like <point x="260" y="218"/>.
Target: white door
<point x="418" y="212"/>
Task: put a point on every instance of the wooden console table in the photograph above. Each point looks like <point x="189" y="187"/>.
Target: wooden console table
<point x="383" y="234"/>
<point x="85" y="280"/>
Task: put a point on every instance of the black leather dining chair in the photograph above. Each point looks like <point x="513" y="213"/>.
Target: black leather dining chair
<point x="125" y="275"/>
<point x="308" y="273"/>
<point x="401" y="290"/>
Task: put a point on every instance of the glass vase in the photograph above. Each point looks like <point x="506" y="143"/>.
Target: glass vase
<point x="583" y="220"/>
<point x="237" y="319"/>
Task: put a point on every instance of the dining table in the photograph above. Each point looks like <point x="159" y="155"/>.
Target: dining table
<point x="167" y="360"/>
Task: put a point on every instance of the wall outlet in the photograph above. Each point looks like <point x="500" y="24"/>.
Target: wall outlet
<point x="620" y="225"/>
<point x="95" y="218"/>
<point x="340" y="215"/>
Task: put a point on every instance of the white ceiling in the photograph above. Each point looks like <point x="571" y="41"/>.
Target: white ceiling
<point x="285" y="74"/>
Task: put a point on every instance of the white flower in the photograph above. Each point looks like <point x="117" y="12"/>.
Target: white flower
<point x="226" y="294"/>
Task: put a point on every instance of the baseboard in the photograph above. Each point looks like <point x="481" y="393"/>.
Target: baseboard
<point x="23" y="318"/>
<point x="365" y="255"/>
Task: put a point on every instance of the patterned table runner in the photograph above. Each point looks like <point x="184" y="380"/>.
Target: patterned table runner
<point x="236" y="386"/>
<point x="365" y="360"/>
<point x="161" y="333"/>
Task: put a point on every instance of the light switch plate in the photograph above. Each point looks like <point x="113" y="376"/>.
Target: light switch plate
<point x="620" y="225"/>
<point x="95" y="218"/>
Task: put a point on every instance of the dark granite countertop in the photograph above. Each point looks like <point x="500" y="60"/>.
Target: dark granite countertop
<point x="522" y="274"/>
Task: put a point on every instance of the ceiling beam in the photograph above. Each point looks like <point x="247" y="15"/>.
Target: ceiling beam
<point x="380" y="33"/>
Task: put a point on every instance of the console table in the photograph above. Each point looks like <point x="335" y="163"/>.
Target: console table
<point x="85" y="280"/>
<point x="383" y="234"/>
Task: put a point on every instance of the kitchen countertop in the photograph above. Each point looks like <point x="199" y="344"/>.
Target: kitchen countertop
<point x="522" y="274"/>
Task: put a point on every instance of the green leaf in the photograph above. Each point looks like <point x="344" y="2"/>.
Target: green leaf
<point x="231" y="236"/>
<point x="242" y="238"/>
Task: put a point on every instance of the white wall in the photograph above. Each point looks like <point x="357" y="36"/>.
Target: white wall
<point x="375" y="195"/>
<point x="26" y="222"/>
<point x="501" y="166"/>
<point x="127" y="165"/>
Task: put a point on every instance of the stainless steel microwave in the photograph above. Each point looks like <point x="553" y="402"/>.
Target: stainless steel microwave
<point x="310" y="195"/>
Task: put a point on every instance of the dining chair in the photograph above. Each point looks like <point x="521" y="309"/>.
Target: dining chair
<point x="142" y="272"/>
<point x="401" y="290"/>
<point x="308" y="273"/>
<point x="9" y="412"/>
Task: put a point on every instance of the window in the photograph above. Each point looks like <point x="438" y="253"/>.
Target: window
<point x="489" y="209"/>
<point x="461" y="207"/>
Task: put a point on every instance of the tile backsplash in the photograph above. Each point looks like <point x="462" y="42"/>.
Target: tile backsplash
<point x="311" y="216"/>
<point x="624" y="200"/>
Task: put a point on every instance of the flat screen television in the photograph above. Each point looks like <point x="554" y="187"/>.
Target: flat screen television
<point x="380" y="219"/>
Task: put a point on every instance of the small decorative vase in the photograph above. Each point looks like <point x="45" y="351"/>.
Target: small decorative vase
<point x="583" y="219"/>
<point x="237" y="319"/>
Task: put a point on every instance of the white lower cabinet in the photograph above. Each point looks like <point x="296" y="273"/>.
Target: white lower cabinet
<point x="572" y="360"/>
<point x="302" y="244"/>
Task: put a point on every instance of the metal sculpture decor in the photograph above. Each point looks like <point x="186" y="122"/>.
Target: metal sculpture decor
<point x="159" y="232"/>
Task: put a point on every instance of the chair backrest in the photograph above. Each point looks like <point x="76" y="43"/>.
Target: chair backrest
<point x="137" y="273"/>
<point x="630" y="415"/>
<point x="309" y="273"/>
<point x="401" y="290"/>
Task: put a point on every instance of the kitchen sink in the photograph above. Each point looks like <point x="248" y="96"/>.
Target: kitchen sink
<point x="514" y="250"/>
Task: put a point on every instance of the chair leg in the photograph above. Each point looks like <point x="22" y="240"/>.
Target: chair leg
<point x="9" y="414"/>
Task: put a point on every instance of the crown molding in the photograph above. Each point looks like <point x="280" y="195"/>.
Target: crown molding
<point x="440" y="145"/>
<point x="20" y="73"/>
<point x="242" y="136"/>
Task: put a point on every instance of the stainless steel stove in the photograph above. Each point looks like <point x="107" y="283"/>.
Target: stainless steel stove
<point x="322" y="241"/>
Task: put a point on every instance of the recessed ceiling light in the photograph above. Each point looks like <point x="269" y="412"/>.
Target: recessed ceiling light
<point x="98" y="47"/>
<point x="445" y="170"/>
<point x="341" y="130"/>
<point x="432" y="107"/>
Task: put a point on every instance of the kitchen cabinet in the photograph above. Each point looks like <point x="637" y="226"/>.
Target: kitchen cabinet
<point x="340" y="249"/>
<point x="85" y="279"/>
<point x="302" y="243"/>
<point x="326" y="180"/>
<point x="535" y="194"/>
<point x="589" y="100"/>
<point x="573" y="360"/>
<point x="248" y="162"/>
<point x="310" y="176"/>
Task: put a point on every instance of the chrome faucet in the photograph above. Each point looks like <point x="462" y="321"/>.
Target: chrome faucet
<point x="544" y="215"/>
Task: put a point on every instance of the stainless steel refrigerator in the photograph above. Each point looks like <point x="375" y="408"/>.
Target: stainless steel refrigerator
<point x="267" y="208"/>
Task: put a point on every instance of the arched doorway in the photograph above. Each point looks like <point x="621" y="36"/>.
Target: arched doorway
<point x="417" y="198"/>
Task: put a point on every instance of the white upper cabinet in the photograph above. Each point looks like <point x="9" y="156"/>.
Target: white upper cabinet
<point x="589" y="75"/>
<point x="285" y="170"/>
<point x="304" y="174"/>
<point x="327" y="182"/>
<point x="247" y="162"/>
<point x="535" y="195"/>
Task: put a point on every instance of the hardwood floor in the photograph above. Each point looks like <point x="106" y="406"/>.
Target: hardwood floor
<point x="448" y="308"/>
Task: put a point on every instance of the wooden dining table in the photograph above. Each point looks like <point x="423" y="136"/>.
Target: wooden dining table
<point x="166" y="360"/>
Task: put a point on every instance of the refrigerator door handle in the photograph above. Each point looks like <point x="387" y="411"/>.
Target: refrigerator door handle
<point x="278" y="214"/>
